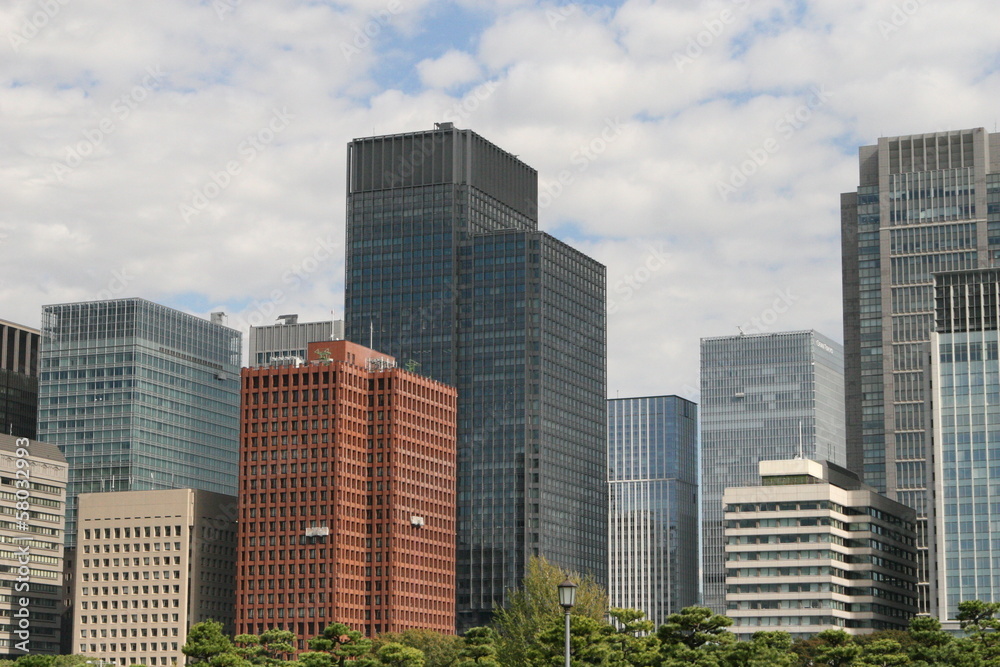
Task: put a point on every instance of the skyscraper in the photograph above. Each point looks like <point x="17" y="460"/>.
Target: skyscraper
<point x="18" y="380"/>
<point x="921" y="207"/>
<point x="653" y="504"/>
<point x="447" y="271"/>
<point x="965" y="393"/>
<point x="763" y="397"/>
<point x="358" y="492"/>
<point x="139" y="396"/>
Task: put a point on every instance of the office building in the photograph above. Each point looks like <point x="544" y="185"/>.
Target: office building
<point x="921" y="207"/>
<point x="33" y="507"/>
<point x="139" y="396"/>
<point x="965" y="383"/>
<point x="813" y="549"/>
<point x="150" y="564"/>
<point x="18" y="380"/>
<point x="763" y="397"/>
<point x="347" y="496"/>
<point x="289" y="339"/>
<point x="447" y="271"/>
<point x="653" y="505"/>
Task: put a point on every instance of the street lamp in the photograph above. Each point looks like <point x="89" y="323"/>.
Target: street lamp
<point x="567" y="597"/>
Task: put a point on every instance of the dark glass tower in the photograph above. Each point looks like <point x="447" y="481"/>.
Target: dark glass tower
<point x="925" y="203"/>
<point x="653" y="498"/>
<point x="139" y="396"/>
<point x="18" y="380"/>
<point x="447" y="271"/>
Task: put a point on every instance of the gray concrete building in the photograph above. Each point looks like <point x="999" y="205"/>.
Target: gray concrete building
<point x="925" y="203"/>
<point x="149" y="565"/>
<point x="288" y="339"/>
<point x="812" y="548"/>
<point x="763" y="397"/>
<point x="33" y="479"/>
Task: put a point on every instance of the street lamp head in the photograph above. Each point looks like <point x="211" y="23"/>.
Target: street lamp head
<point x="567" y="594"/>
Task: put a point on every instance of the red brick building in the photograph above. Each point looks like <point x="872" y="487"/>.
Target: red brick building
<point x="346" y="496"/>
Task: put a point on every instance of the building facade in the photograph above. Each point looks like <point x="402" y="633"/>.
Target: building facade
<point x="965" y="381"/>
<point x="290" y="339"/>
<point x="139" y="396"/>
<point x="814" y="549"/>
<point x="150" y="564"/>
<point x="32" y="522"/>
<point x="18" y="380"/>
<point x="763" y="397"/>
<point x="447" y="271"/>
<point x="921" y="207"/>
<point x="347" y="496"/>
<point x="653" y="505"/>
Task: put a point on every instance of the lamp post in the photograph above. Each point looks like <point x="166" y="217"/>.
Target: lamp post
<point x="567" y="598"/>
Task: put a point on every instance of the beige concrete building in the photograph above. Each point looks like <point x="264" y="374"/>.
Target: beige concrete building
<point x="32" y="522"/>
<point x="149" y="565"/>
<point x="814" y="548"/>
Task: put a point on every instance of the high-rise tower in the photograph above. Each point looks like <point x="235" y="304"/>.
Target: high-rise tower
<point x="18" y="380"/>
<point x="922" y="206"/>
<point x="447" y="271"/>
<point x="653" y="499"/>
<point x="763" y="397"/>
<point x="139" y="396"/>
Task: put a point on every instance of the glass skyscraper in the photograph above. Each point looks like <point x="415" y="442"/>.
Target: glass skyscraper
<point x="139" y="396"/>
<point x="920" y="207"/>
<point x="447" y="271"/>
<point x="653" y="504"/>
<point x="763" y="397"/>
<point x="966" y="400"/>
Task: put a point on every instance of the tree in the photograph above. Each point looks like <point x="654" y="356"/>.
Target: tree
<point x="836" y="649"/>
<point x="439" y="649"/>
<point x="590" y="644"/>
<point x="393" y="655"/>
<point x="634" y="637"/>
<point x="695" y="636"/>
<point x="206" y="644"/>
<point x="335" y="646"/>
<point x="883" y="653"/>
<point x="979" y="621"/>
<point x="270" y="648"/>
<point x="764" y="649"/>
<point x="479" y="649"/>
<point x="535" y="607"/>
<point x="35" y="660"/>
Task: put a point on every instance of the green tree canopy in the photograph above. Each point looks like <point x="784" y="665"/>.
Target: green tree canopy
<point x="439" y="649"/>
<point x="534" y="607"/>
<point x="479" y="649"/>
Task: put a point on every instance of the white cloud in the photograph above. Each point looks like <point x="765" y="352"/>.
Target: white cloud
<point x="451" y="69"/>
<point x="551" y="78"/>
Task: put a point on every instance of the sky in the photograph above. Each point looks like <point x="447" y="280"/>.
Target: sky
<point x="193" y="153"/>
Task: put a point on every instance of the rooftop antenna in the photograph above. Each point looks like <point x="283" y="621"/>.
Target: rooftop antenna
<point x="800" y="440"/>
<point x="371" y="335"/>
